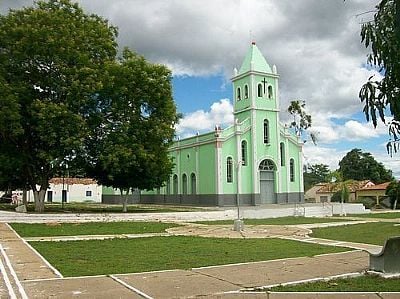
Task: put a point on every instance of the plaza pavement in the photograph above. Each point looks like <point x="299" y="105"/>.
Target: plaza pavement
<point x="25" y="274"/>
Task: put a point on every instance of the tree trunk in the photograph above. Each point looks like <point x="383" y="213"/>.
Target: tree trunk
<point x="24" y="197"/>
<point x="125" y="201"/>
<point x="39" y="200"/>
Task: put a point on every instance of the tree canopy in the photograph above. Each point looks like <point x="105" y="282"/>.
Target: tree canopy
<point x="134" y="127"/>
<point x="61" y="88"/>
<point x="314" y="174"/>
<point x="356" y="165"/>
<point x="382" y="36"/>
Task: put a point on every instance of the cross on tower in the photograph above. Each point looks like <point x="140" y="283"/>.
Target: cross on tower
<point x="264" y="83"/>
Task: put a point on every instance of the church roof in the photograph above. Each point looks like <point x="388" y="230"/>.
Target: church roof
<point x="254" y="61"/>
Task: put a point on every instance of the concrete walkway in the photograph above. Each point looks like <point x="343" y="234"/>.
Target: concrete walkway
<point x="28" y="275"/>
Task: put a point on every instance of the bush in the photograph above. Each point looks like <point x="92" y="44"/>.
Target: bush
<point x="368" y="202"/>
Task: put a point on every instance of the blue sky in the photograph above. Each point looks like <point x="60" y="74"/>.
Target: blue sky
<point x="314" y="44"/>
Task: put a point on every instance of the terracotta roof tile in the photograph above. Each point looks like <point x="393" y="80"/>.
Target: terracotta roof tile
<point x="72" y="181"/>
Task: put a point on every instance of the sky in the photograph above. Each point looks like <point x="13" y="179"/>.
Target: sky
<point x="315" y="45"/>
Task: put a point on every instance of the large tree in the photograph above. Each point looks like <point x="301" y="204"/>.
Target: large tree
<point x="357" y="165"/>
<point x="381" y="96"/>
<point x="314" y="174"/>
<point x="52" y="63"/>
<point x="134" y="126"/>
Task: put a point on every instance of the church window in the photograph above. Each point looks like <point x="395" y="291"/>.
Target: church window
<point x="244" y="152"/>
<point x="246" y="91"/>
<point x="291" y="170"/>
<point x="270" y="93"/>
<point x="193" y="183"/>
<point x="267" y="165"/>
<point x="229" y="170"/>
<point x="266" y="131"/>
<point x="282" y="150"/>
<point x="184" y="184"/>
<point x="175" y="184"/>
<point x="238" y="94"/>
<point x="259" y="90"/>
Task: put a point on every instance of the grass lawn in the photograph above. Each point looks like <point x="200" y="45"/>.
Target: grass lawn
<point x="392" y="215"/>
<point x="365" y="283"/>
<point x="277" y="221"/>
<point x="370" y="233"/>
<point x="90" y="228"/>
<point x="101" y="208"/>
<point x="114" y="256"/>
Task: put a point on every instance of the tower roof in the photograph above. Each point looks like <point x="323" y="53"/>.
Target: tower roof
<point x="254" y="61"/>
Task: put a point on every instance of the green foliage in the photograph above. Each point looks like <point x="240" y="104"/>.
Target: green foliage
<point x="301" y="120"/>
<point x="52" y="61"/>
<point x="365" y="283"/>
<point x="79" y="258"/>
<point x="91" y="228"/>
<point x="314" y="174"/>
<point x="393" y="191"/>
<point x="368" y="202"/>
<point x="66" y="100"/>
<point x="359" y="166"/>
<point x="370" y="233"/>
<point x="134" y="127"/>
<point x="382" y="36"/>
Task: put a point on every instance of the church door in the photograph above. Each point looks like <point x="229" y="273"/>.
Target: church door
<point x="267" y="182"/>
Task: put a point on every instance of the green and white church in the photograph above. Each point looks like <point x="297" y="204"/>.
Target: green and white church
<point x="256" y="160"/>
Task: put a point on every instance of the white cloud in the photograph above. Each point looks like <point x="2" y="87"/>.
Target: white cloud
<point x="322" y="155"/>
<point x="220" y="113"/>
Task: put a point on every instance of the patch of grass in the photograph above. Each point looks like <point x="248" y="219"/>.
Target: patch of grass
<point x="392" y="215"/>
<point x="370" y="233"/>
<point x="89" y="228"/>
<point x="101" y="208"/>
<point x="365" y="283"/>
<point x="290" y="220"/>
<point x="162" y="253"/>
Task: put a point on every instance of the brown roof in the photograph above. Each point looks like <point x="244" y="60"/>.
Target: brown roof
<point x="334" y="187"/>
<point x="382" y="186"/>
<point x="72" y="181"/>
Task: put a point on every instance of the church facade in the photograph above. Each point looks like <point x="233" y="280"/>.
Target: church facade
<point x="257" y="160"/>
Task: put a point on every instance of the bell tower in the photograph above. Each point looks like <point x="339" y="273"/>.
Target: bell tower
<point x="255" y="86"/>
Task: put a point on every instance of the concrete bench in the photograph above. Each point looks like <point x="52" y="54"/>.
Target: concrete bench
<point x="388" y="260"/>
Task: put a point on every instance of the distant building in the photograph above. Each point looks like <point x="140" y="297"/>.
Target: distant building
<point x="375" y="191"/>
<point x="75" y="189"/>
<point x="325" y="193"/>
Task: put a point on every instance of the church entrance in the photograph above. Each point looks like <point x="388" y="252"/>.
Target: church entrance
<point x="267" y="181"/>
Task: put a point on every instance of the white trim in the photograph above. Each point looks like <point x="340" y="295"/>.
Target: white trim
<point x="13" y="274"/>
<point x="56" y="272"/>
<point x="137" y="291"/>
<point x="7" y="280"/>
<point x="251" y="72"/>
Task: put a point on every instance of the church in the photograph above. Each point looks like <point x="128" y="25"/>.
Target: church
<point x="257" y="160"/>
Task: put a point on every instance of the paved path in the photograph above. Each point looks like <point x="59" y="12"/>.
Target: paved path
<point x="37" y="279"/>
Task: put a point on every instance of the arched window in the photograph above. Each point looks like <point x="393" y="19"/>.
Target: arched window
<point x="168" y="187"/>
<point x="238" y="94"/>
<point x="291" y="170"/>
<point x="270" y="93"/>
<point x="282" y="150"/>
<point x="184" y="183"/>
<point x="244" y="152"/>
<point x="229" y="170"/>
<point x="266" y="131"/>
<point x="193" y="183"/>
<point x="267" y="165"/>
<point x="175" y="184"/>
<point x="246" y="91"/>
<point x="259" y="90"/>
